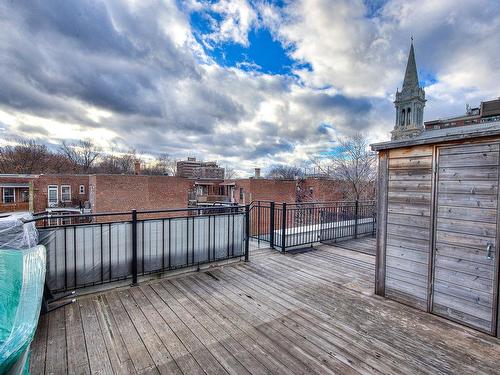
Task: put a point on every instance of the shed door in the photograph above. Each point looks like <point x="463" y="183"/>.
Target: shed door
<point x="465" y="256"/>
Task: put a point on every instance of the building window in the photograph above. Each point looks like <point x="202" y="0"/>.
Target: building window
<point x="25" y="195"/>
<point x="66" y="193"/>
<point x="408" y="118"/>
<point x="52" y="194"/>
<point x="9" y="195"/>
<point x="241" y="193"/>
<point x="82" y="189"/>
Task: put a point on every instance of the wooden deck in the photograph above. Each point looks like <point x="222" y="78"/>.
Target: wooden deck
<point x="307" y="313"/>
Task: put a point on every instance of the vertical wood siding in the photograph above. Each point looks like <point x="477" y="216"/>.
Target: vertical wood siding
<point x="466" y="222"/>
<point x="409" y="225"/>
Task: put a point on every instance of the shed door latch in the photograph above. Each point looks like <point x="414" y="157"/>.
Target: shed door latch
<point x="489" y="247"/>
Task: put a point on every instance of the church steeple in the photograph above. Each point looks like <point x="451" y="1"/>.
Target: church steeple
<point x="409" y="103"/>
<point x="411" y="75"/>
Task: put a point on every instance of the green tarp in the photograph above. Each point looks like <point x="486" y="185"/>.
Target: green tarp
<point x="22" y="276"/>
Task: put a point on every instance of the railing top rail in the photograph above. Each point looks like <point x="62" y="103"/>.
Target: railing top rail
<point x="47" y="215"/>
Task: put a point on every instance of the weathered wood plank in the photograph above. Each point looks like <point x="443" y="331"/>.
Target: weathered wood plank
<point x="466" y="280"/>
<point x="473" y="214"/>
<point x="78" y="362"/>
<point x="410" y="209"/>
<point x="409" y="186"/>
<point x="273" y="365"/>
<point x="460" y="252"/>
<point x="468" y="187"/>
<point x="466" y="149"/>
<point x="408" y="265"/>
<point x="485" y="270"/>
<point x="488" y="173"/>
<point x="409" y="197"/>
<point x="467" y="227"/>
<point x="468" y="200"/>
<point x="469" y="160"/>
<point x="117" y="351"/>
<point x="181" y="355"/>
<point x="409" y="220"/>
<point x="411" y="290"/>
<point x="414" y="244"/>
<point x="96" y="349"/>
<point x="467" y="240"/>
<point x="56" y="360"/>
<point x="39" y="347"/>
<point x="409" y="254"/>
<point x="408" y="231"/>
<point x="424" y="162"/>
<point x="155" y="293"/>
<point x="138" y="353"/>
<point x="409" y="175"/>
<point x="407" y="152"/>
<point x="382" y="191"/>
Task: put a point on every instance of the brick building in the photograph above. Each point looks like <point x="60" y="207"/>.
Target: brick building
<point x="200" y="170"/>
<point x="114" y="193"/>
<point x="35" y="193"/>
<point x="487" y="112"/>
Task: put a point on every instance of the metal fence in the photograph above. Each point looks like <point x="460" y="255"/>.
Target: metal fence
<point x="102" y="250"/>
<point x="286" y="226"/>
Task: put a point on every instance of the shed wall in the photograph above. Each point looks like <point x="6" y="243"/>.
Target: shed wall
<point x="409" y="198"/>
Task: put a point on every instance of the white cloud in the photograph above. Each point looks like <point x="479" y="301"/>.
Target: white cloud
<point x="135" y="76"/>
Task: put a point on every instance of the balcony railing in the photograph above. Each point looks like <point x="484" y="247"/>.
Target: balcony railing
<point x="286" y="226"/>
<point x="140" y="243"/>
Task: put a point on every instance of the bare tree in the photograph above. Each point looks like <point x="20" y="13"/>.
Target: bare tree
<point x="26" y="156"/>
<point x="230" y="173"/>
<point x="353" y="163"/>
<point x="163" y="165"/>
<point x="284" y="172"/>
<point x="82" y="154"/>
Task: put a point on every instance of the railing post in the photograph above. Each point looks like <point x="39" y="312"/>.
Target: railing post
<point x="271" y="225"/>
<point x="247" y="231"/>
<point x="283" y="229"/>
<point x="374" y="218"/>
<point x="356" y="209"/>
<point x="134" y="247"/>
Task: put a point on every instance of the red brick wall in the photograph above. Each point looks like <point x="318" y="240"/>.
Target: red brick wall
<point x="265" y="190"/>
<point x="114" y="193"/>
<point x="322" y="190"/>
<point x="40" y="189"/>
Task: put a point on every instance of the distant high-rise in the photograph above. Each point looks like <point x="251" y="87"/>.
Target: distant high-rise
<point x="409" y="103"/>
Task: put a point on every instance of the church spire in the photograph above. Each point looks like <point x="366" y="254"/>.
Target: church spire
<point x="409" y="103"/>
<point x="411" y="76"/>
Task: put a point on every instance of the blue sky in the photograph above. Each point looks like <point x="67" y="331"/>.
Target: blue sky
<point x="249" y="83"/>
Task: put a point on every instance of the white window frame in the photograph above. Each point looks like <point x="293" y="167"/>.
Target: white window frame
<point x="62" y="194"/>
<point x="3" y="195"/>
<point x="81" y="189"/>
<point x="49" y="188"/>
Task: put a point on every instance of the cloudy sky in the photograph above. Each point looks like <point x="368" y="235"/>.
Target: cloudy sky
<point x="246" y="82"/>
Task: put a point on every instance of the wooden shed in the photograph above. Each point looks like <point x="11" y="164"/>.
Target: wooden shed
<point x="438" y="223"/>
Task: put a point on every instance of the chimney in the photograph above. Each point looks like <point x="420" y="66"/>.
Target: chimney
<point x="257" y="172"/>
<point x="137" y="167"/>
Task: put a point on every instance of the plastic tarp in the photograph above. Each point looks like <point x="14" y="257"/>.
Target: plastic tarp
<point x="15" y="234"/>
<point x="22" y="275"/>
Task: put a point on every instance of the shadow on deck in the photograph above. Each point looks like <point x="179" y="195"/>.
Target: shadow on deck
<point x="306" y="313"/>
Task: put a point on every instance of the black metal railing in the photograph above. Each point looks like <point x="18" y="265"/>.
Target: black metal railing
<point x="286" y="226"/>
<point x="108" y="247"/>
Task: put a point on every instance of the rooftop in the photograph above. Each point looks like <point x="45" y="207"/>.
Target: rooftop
<point x="445" y="134"/>
<point x="311" y="312"/>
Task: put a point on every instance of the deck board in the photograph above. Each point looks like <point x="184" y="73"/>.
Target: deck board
<point x="304" y="313"/>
